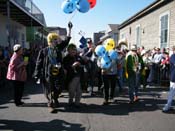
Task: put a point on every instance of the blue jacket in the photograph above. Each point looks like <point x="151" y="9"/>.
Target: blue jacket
<point x="172" y="68"/>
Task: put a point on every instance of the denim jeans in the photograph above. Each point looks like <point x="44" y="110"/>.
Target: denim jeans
<point x="133" y="89"/>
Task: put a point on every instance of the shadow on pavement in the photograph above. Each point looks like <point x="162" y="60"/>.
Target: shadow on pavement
<point x="119" y="107"/>
<point x="6" y="93"/>
<point x="34" y="105"/>
<point x="54" y="125"/>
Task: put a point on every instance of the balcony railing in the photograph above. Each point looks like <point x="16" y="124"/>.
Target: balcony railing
<point x="31" y="8"/>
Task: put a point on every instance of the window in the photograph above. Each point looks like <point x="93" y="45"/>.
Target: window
<point x="138" y="36"/>
<point x="122" y="35"/>
<point x="164" y="30"/>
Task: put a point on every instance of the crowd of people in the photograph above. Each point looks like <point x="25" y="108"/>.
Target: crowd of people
<point x="61" y="66"/>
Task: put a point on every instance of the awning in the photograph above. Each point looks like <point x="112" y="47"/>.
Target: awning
<point x="18" y="14"/>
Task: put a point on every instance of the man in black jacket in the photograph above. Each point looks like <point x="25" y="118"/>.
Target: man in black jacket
<point x="49" y="67"/>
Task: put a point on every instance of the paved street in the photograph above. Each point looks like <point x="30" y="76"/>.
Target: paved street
<point x="92" y="116"/>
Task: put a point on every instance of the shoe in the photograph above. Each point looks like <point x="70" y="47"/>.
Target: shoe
<point x="19" y="103"/>
<point x="71" y="105"/>
<point x="131" y="102"/>
<point x="105" y="102"/>
<point x="52" y="110"/>
<point x="111" y="100"/>
<point x="49" y="104"/>
<point x="92" y="94"/>
<point x="77" y="106"/>
<point x="165" y="108"/>
<point x="136" y="99"/>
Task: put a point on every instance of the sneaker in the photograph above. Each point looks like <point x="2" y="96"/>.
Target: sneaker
<point x="52" y="110"/>
<point x="71" y="104"/>
<point x="111" y="100"/>
<point x="19" y="104"/>
<point x="77" y="106"/>
<point x="131" y="102"/>
<point x="165" y="108"/>
<point x="136" y="99"/>
<point x="49" y="104"/>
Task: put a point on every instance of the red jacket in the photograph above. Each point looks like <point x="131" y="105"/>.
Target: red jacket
<point x="14" y="71"/>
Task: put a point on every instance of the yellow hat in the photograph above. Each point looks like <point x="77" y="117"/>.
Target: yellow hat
<point x="52" y="36"/>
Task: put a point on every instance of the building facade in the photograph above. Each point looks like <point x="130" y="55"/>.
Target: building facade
<point x="111" y="32"/>
<point x="154" y="26"/>
<point x="15" y="17"/>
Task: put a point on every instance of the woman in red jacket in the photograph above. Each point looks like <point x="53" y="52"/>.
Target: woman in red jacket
<point x="17" y="73"/>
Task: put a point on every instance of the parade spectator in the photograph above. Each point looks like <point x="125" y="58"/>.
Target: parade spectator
<point x="88" y="56"/>
<point x="140" y="72"/>
<point x="109" y="76"/>
<point x="3" y="68"/>
<point x="49" y="68"/>
<point x="73" y="65"/>
<point x="172" y="82"/>
<point x="157" y="56"/>
<point x="7" y="54"/>
<point x="120" y="66"/>
<point x="17" y="73"/>
<point x="164" y="66"/>
<point x="131" y="65"/>
<point x="147" y="63"/>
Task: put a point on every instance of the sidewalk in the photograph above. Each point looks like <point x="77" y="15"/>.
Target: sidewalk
<point x="92" y="116"/>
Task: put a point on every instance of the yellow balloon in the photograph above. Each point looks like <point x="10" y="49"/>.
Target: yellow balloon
<point x="109" y="44"/>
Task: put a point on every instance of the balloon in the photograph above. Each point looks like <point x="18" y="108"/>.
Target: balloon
<point x="75" y="1"/>
<point x="92" y="3"/>
<point x="100" y="50"/>
<point x="109" y="44"/>
<point x="113" y="54"/>
<point x="83" y="6"/>
<point x="68" y="6"/>
<point x="105" y="62"/>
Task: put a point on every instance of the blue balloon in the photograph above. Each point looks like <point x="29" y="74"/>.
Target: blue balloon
<point x="113" y="54"/>
<point x="100" y="50"/>
<point x="75" y="1"/>
<point x="83" y="6"/>
<point x="105" y="62"/>
<point x="68" y="6"/>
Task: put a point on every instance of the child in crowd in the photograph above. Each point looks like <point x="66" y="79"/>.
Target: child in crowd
<point x="73" y="66"/>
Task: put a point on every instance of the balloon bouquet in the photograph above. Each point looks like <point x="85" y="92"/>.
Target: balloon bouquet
<point x="83" y="6"/>
<point x="106" y="53"/>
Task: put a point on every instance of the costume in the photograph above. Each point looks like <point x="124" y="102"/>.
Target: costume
<point x="49" y="69"/>
<point x="131" y="69"/>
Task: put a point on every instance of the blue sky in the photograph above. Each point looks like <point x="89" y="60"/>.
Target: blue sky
<point x="96" y="19"/>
